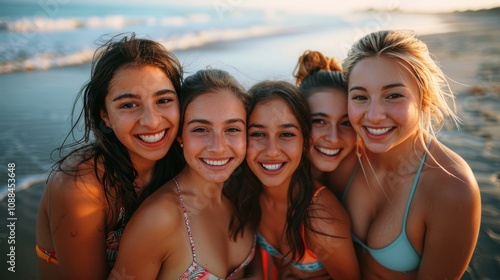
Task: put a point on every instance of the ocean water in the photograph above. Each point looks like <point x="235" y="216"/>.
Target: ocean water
<point x="53" y="34"/>
<point x="40" y="36"/>
<point x="61" y="37"/>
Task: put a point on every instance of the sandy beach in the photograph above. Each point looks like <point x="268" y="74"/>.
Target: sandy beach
<point x="469" y="54"/>
<point x="470" y="57"/>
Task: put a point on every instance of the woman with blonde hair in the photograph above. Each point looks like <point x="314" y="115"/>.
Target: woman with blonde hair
<point x="414" y="203"/>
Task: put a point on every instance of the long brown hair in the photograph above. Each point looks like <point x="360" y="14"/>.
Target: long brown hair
<point x="98" y="143"/>
<point x="245" y="188"/>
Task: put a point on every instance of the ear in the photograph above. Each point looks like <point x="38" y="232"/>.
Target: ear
<point x="179" y="139"/>
<point x="105" y="118"/>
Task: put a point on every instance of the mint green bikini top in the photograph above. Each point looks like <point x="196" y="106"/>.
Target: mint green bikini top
<point x="399" y="255"/>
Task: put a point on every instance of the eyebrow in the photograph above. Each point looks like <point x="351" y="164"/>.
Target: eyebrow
<point x="286" y="125"/>
<point x="136" y="96"/>
<point x="389" y="86"/>
<point x="321" y="114"/>
<point x="204" y="121"/>
<point x="393" y="86"/>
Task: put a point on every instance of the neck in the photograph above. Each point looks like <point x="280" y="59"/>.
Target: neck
<point x="276" y="195"/>
<point x="205" y="192"/>
<point x="402" y="158"/>
<point x="144" y="175"/>
<point x="317" y="174"/>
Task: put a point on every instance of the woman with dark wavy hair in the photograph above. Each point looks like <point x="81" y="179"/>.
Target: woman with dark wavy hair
<point x="130" y="118"/>
<point x="303" y="230"/>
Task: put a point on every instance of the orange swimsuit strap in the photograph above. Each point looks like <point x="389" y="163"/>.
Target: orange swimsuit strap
<point x="46" y="255"/>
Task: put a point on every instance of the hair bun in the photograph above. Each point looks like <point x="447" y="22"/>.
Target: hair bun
<point x="311" y="62"/>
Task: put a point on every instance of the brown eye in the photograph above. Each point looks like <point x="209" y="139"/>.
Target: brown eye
<point x="346" y="123"/>
<point x="128" y="105"/>
<point x="394" y="95"/>
<point x="318" y="121"/>
<point x="257" y="134"/>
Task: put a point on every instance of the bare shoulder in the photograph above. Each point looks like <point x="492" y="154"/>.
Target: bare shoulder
<point x="450" y="204"/>
<point x="76" y="188"/>
<point x="451" y="184"/>
<point x="330" y="236"/>
<point x="158" y="224"/>
<point x="328" y="214"/>
<point x="161" y="210"/>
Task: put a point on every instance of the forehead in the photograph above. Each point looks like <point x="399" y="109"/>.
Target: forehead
<point x="273" y="111"/>
<point x="327" y="99"/>
<point x="381" y="71"/>
<point x="219" y="102"/>
<point x="139" y="78"/>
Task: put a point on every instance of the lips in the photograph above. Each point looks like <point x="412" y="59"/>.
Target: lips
<point x="328" y="152"/>
<point x="152" y="138"/>
<point x="378" y="131"/>
<point x="272" y="167"/>
<point x="219" y="162"/>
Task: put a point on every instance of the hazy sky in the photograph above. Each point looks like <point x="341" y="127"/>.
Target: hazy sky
<point x="348" y="5"/>
<point x="323" y="6"/>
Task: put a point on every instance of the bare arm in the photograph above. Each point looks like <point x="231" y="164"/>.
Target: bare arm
<point x="333" y="245"/>
<point x="452" y="228"/>
<point x="145" y="241"/>
<point x="77" y="222"/>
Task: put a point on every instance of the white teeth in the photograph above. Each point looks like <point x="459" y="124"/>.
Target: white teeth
<point x="216" y="162"/>
<point x="152" y="138"/>
<point x="376" y="131"/>
<point x="272" y="167"/>
<point x="329" y="152"/>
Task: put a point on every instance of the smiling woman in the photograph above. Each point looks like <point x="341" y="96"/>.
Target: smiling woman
<point x="396" y="104"/>
<point x="131" y="110"/>
<point x="195" y="243"/>
<point x="141" y="108"/>
<point x="303" y="231"/>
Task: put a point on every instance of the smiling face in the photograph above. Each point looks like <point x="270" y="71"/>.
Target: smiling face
<point x="214" y="135"/>
<point x="275" y="143"/>
<point x="383" y="103"/>
<point x="333" y="137"/>
<point x="142" y="109"/>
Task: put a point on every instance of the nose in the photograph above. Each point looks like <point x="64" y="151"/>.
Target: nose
<point x="216" y="143"/>
<point x="332" y="134"/>
<point x="375" y="112"/>
<point x="272" y="147"/>
<point x="150" y="117"/>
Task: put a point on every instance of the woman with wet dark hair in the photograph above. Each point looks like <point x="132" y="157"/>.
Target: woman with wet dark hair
<point x="130" y="118"/>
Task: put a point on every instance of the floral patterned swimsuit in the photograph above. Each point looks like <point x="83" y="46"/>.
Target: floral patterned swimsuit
<point x="195" y="270"/>
<point x="113" y="238"/>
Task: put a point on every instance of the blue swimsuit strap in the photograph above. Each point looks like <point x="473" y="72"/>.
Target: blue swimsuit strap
<point x="312" y="266"/>
<point x="412" y="192"/>
<point x="344" y="194"/>
<point x="414" y="188"/>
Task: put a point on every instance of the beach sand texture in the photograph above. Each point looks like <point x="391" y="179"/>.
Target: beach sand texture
<point x="469" y="54"/>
